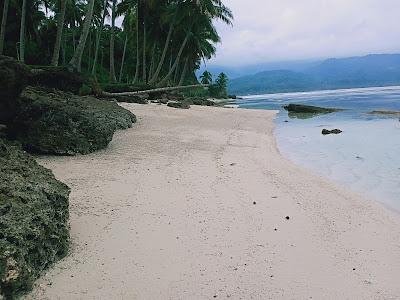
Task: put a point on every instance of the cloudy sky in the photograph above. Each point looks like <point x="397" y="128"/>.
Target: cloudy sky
<point x="276" y="30"/>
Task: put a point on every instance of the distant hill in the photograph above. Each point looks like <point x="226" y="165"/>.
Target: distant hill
<point x="235" y="72"/>
<point x="353" y="72"/>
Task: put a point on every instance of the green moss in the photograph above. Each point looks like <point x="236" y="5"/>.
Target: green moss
<point x="34" y="229"/>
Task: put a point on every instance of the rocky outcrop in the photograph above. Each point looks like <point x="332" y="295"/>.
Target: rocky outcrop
<point x="334" y="131"/>
<point x="33" y="220"/>
<point x="309" y="109"/>
<point x="200" y="101"/>
<point x="54" y="122"/>
<point x="14" y="76"/>
<point x="140" y="99"/>
<point x="175" y="104"/>
<point x="59" y="78"/>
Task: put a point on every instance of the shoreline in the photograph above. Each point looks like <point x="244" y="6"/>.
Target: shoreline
<point x="193" y="203"/>
<point x="366" y="89"/>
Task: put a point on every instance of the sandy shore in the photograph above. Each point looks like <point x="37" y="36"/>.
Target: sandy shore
<point x="192" y="204"/>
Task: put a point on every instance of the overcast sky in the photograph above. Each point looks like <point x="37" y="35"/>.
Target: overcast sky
<point x="276" y="30"/>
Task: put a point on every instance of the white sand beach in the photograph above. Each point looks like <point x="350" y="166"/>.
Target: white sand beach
<point x="193" y="204"/>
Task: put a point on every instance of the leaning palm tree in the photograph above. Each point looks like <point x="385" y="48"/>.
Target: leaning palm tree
<point x="75" y="62"/>
<point x="3" y="25"/>
<point x="98" y="36"/>
<point x="60" y="27"/>
<point x="198" y="13"/>
<point x="169" y="16"/>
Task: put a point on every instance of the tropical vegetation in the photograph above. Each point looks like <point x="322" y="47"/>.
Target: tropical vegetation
<point x="152" y="42"/>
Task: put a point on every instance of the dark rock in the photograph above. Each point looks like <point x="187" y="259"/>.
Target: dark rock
<point x="300" y="108"/>
<point x="173" y="97"/>
<point x="33" y="220"/>
<point x="61" y="79"/>
<point x="54" y="122"/>
<point x="287" y="218"/>
<point x="14" y="76"/>
<point x="334" y="131"/>
<point x="183" y="105"/>
<point x="140" y="99"/>
<point x="164" y="101"/>
<point x="254" y="203"/>
<point x="200" y="101"/>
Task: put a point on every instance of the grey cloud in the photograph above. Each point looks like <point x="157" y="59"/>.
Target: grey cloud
<point x="270" y="30"/>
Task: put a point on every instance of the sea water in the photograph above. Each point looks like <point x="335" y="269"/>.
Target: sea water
<point x="365" y="156"/>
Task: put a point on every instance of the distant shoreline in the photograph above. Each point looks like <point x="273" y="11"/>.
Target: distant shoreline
<point x="366" y="89"/>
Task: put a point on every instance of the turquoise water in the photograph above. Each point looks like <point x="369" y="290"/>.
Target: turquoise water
<point x="366" y="156"/>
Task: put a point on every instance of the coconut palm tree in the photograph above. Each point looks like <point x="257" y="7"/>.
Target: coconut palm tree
<point x="112" y="42"/>
<point x="60" y="27"/>
<point x="75" y="62"/>
<point x="98" y="36"/>
<point x="22" y="32"/>
<point x="3" y="25"/>
<point x="206" y="77"/>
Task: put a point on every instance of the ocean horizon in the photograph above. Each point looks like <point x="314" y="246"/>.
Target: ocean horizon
<point x="363" y="157"/>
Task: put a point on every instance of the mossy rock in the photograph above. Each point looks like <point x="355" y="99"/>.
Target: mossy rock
<point x="140" y="99"/>
<point x="58" y="78"/>
<point x="200" y="101"/>
<point x="183" y="105"/>
<point x="14" y="76"/>
<point x="309" y="109"/>
<point x="34" y="230"/>
<point x="55" y="122"/>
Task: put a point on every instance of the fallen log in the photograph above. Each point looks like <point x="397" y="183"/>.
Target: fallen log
<point x="157" y="90"/>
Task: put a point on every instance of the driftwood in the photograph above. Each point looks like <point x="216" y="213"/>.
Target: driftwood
<point x="157" y="90"/>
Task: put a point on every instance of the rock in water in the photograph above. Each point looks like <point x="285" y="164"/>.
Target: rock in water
<point x="309" y="109"/>
<point x="334" y="131"/>
<point x="33" y="220"/>
<point x="55" y="122"/>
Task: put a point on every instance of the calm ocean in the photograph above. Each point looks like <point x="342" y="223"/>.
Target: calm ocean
<point x="366" y="156"/>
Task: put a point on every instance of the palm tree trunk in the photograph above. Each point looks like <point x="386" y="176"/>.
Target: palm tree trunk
<point x="144" y="51"/>
<point x="22" y="33"/>
<point x="137" y="45"/>
<point x="75" y="63"/>
<point x="151" y="69"/>
<point x="112" y="44"/>
<point x="123" y="58"/>
<point x="164" y="53"/>
<point x="60" y="27"/>
<point x="98" y="38"/>
<point x="184" y="71"/>
<point x="165" y="79"/>
<point x="176" y="73"/>
<point x="3" y="25"/>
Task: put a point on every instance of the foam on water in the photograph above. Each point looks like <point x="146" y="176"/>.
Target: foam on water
<point x="366" y="156"/>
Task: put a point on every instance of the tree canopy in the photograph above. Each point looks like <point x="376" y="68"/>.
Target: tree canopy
<point x="156" y="42"/>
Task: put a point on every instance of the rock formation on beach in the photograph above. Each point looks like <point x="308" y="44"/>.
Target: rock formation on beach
<point x="34" y="230"/>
